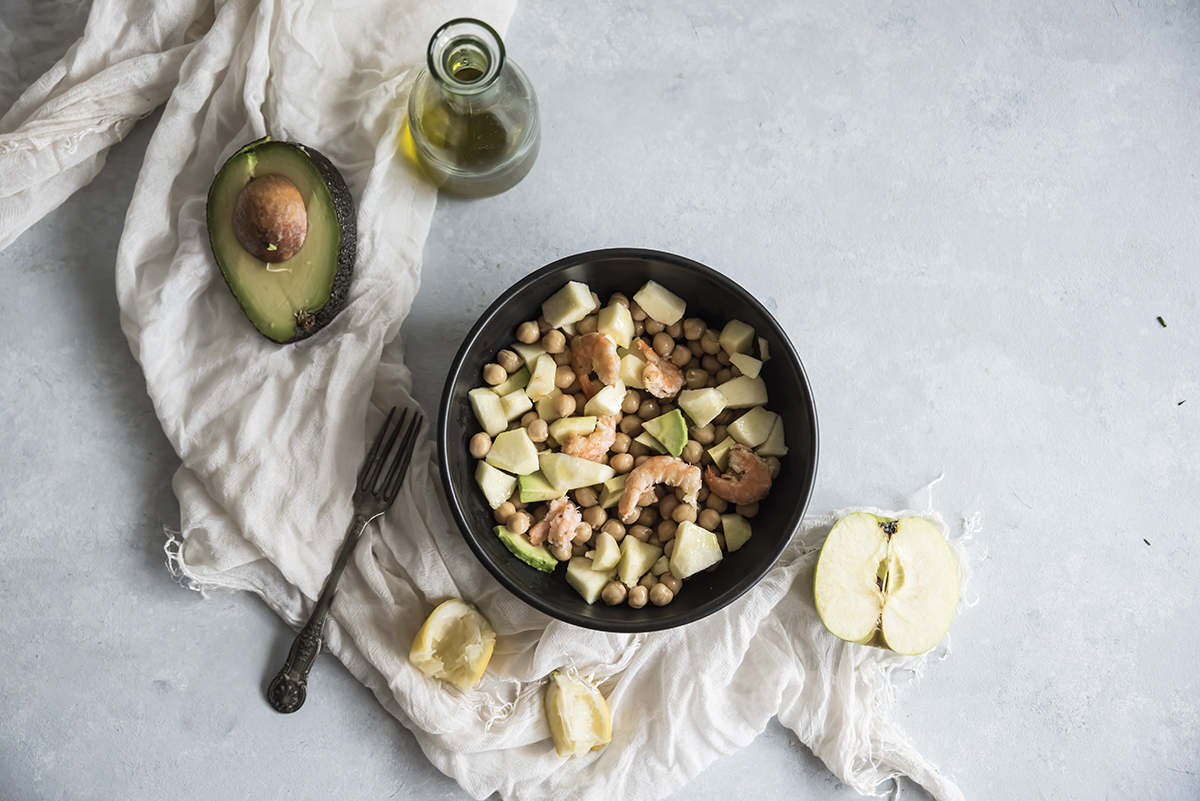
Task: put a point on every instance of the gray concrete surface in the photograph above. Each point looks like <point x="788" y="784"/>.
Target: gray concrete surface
<point x="967" y="216"/>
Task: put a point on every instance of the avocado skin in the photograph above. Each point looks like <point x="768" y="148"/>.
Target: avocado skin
<point x="343" y="207"/>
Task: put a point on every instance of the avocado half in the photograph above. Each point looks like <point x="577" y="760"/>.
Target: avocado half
<point x="290" y="299"/>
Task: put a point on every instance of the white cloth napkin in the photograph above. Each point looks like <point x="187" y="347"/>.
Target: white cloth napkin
<point x="271" y="437"/>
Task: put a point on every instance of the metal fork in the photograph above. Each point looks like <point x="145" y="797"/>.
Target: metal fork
<point x="379" y="482"/>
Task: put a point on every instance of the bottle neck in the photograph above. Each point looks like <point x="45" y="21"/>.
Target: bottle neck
<point x="466" y="57"/>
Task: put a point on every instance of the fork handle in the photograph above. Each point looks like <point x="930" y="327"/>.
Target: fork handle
<point x="288" y="689"/>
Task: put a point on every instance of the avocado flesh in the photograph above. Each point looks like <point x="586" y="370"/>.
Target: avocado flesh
<point x="293" y="299"/>
<point x="536" y="556"/>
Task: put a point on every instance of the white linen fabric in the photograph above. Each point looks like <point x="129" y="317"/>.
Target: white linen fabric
<point x="271" y="437"/>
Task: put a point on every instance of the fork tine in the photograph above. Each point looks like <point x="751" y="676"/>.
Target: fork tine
<point x="395" y="477"/>
<point x="379" y="453"/>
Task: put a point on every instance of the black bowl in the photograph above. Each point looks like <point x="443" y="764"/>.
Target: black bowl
<point x="715" y="299"/>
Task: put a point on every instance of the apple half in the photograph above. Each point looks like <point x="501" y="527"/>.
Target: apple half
<point x="889" y="583"/>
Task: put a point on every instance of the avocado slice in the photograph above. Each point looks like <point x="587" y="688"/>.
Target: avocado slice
<point x="533" y="555"/>
<point x="286" y="297"/>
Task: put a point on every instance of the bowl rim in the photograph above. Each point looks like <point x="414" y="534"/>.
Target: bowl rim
<point x="668" y="620"/>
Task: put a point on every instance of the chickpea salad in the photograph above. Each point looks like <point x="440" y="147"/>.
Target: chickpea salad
<point x="627" y="440"/>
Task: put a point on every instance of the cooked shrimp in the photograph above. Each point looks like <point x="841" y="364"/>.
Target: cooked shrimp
<point x="594" y="445"/>
<point x="658" y="470"/>
<point x="662" y="378"/>
<point x="558" y="526"/>
<point x="595" y="352"/>
<point x="748" y="479"/>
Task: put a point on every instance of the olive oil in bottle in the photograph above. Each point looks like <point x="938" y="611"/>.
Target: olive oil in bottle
<point x="472" y="114"/>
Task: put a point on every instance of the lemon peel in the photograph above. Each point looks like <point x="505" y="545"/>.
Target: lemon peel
<point x="577" y="714"/>
<point x="454" y="643"/>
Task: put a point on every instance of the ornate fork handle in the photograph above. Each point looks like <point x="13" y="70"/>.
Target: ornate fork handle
<point x="288" y="689"/>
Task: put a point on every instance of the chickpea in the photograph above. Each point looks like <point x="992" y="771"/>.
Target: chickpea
<point x="613" y="593"/>
<point x="580" y="400"/>
<point x="564" y="405"/>
<point x="711" y="346"/>
<point x="664" y="345"/>
<point x="717" y="503"/>
<point x="614" y="528"/>
<point x="515" y="500"/>
<point x="648" y="580"/>
<point x="637" y="312"/>
<point x="692" y="451"/>
<point x="649" y="409"/>
<point x="631" y="401"/>
<point x="594" y="516"/>
<point x="618" y="297"/>
<point x="519" y="523"/>
<point x="710" y="365"/>
<point x="578" y="549"/>
<point x="747" y="510"/>
<point x="648" y="518"/>
<point x="561" y="552"/>
<point x="561" y="358"/>
<point x="639" y="532"/>
<point x="528" y="333"/>
<point x="588" y="325"/>
<point x="694" y="328"/>
<point x="564" y="376"/>
<point x="667" y="505"/>
<point x="639" y="328"/>
<point x="638" y="597"/>
<point x="538" y="430"/>
<point x="666" y="408"/>
<point x="681" y="356"/>
<point x="723" y="358"/>
<point x="675" y="329"/>
<point x="480" y="444"/>
<point x="494" y="374"/>
<point x="721" y="540"/>
<point x="649" y="498"/>
<point x="586" y="497"/>
<point x="654" y="326"/>
<point x="666" y="530"/>
<point x="669" y="581"/>
<point x="638" y="461"/>
<point x="595" y="302"/>
<point x="725" y="417"/>
<point x="661" y="595"/>
<point x="554" y="341"/>
<point x="684" y="511"/>
<point x="540" y="511"/>
<point x="720" y="433"/>
<point x="723" y="375"/>
<point x="631" y="425"/>
<point x="528" y="418"/>
<point x="509" y="360"/>
<point x="503" y="512"/>
<point x="702" y="495"/>
<point x="709" y="519"/>
<point x="583" y="534"/>
<point x="703" y="434"/>
<point x="636" y="448"/>
<point x="772" y="466"/>
<point x="669" y="548"/>
<point x="621" y="443"/>
<point x="543" y="326"/>
<point x="621" y="462"/>
<point x="734" y="370"/>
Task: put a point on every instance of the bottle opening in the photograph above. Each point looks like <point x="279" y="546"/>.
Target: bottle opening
<point x="466" y="63"/>
<point x="466" y="55"/>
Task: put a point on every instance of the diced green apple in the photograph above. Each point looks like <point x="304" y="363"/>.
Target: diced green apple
<point x="637" y="558"/>
<point x="753" y="427"/>
<point x="736" y="337"/>
<point x="545" y="406"/>
<point x="586" y="580"/>
<point x="743" y="392"/>
<point x="515" y="404"/>
<point x="695" y="549"/>
<point x="661" y="566"/>
<point x="606" y="402"/>
<point x="528" y="353"/>
<point x="516" y="381"/>
<point x="497" y="485"/>
<point x="736" y="530"/>
<point x="775" y="444"/>
<point x="566" y="472"/>
<point x="631" y="371"/>
<point x="607" y="552"/>
<point x="610" y="493"/>
<point x="702" y="405"/>
<point x="720" y="452"/>
<point x="535" y="488"/>
<point x="764" y="352"/>
<point x="749" y="365"/>
<point x="564" y="428"/>
<point x="660" y="303"/>
<point x="513" y="452"/>
<point x="615" y="322"/>
<point x="568" y="305"/>
<point x="488" y="410"/>
<point x="541" y="383"/>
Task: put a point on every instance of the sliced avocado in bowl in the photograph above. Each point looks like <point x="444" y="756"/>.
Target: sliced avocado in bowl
<point x="281" y="224"/>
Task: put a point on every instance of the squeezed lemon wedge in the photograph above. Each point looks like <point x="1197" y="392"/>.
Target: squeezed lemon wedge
<point x="577" y="714"/>
<point x="454" y="643"/>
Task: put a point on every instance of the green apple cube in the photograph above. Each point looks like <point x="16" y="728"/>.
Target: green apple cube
<point x="564" y="428"/>
<point x="670" y="430"/>
<point x="615" y="322"/>
<point x="488" y="410"/>
<point x="631" y="371"/>
<point x="535" y="488"/>
<point x="541" y="383"/>
<point x="695" y="549"/>
<point x="586" y="580"/>
<point x="702" y="405"/>
<point x="528" y="353"/>
<point x="753" y="427"/>
<point x="749" y="365"/>
<point x="611" y="490"/>
<point x="637" y="558"/>
<point x="660" y="303"/>
<point x="513" y="452"/>
<point x="775" y="445"/>
<point x="568" y="472"/>
<point x="764" y="352"/>
<point x="516" y="381"/>
<point x="650" y="442"/>
<point x="736" y="337"/>
<point x="607" y="552"/>
<point x="736" y="529"/>
<point x="720" y="452"/>
<point x="568" y="305"/>
<point x="515" y="404"/>
<point x="606" y="402"/>
<point x="545" y="406"/>
<point x="661" y="566"/>
<point x="743" y="392"/>
<point x="497" y="485"/>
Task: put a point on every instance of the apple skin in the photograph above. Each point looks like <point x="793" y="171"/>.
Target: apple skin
<point x="888" y="583"/>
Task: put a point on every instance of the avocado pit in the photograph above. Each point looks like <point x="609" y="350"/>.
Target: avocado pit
<point x="269" y="218"/>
